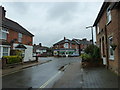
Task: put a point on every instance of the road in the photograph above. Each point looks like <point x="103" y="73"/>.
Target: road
<point x="36" y="76"/>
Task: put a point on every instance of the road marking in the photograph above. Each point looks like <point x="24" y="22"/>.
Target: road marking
<point x="46" y="83"/>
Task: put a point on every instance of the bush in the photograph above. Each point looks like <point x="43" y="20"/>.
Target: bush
<point x="93" y="50"/>
<point x="12" y="59"/>
<point x="85" y="56"/>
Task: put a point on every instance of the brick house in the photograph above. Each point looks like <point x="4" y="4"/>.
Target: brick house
<point x="68" y="47"/>
<point x="13" y="36"/>
<point x="107" y="26"/>
<point x="41" y="51"/>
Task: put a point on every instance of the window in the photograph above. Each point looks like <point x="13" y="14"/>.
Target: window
<point x="70" y="45"/>
<point x="108" y="15"/>
<point x="19" y="37"/>
<point x="3" y="34"/>
<point x="111" y="51"/>
<point x="98" y="30"/>
<point x="5" y="51"/>
<point x="66" y="45"/>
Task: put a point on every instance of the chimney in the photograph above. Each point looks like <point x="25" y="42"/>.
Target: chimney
<point x="90" y="40"/>
<point x="84" y="39"/>
<point x="34" y="45"/>
<point x="2" y="12"/>
<point x="40" y="44"/>
<point x="64" y="38"/>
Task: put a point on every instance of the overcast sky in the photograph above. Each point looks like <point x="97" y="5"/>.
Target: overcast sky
<point x="51" y="21"/>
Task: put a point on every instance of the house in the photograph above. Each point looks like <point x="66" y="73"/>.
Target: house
<point x="68" y="47"/>
<point x="107" y="26"/>
<point x="84" y="43"/>
<point x="13" y="36"/>
<point x="41" y="51"/>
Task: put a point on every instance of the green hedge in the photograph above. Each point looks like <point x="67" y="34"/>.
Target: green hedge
<point x="12" y="59"/>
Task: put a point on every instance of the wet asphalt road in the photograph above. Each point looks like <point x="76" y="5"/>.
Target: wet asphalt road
<point x="36" y="76"/>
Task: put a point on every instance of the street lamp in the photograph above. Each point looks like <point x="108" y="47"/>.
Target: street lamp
<point x="91" y="32"/>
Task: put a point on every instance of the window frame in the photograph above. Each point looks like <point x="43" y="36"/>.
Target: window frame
<point x="109" y="15"/>
<point x="5" y="31"/>
<point x="66" y="45"/>
<point x="5" y="52"/>
<point x="111" y="57"/>
<point x="1" y="50"/>
<point x="20" y="35"/>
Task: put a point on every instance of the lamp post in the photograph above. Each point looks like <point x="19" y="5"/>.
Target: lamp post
<point x="91" y="32"/>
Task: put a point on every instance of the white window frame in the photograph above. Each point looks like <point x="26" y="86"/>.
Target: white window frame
<point x="1" y="50"/>
<point x="20" y="37"/>
<point x="111" y="57"/>
<point x="5" y="31"/>
<point x="66" y="45"/>
<point x="109" y="17"/>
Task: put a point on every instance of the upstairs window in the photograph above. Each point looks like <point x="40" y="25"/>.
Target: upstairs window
<point x="109" y="17"/>
<point x="66" y="45"/>
<point x="3" y="34"/>
<point x="19" y="37"/>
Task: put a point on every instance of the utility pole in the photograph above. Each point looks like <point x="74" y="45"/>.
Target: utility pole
<point x="91" y="32"/>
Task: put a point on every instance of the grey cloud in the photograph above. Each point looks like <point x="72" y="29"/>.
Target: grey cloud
<point x="50" y="22"/>
<point x="19" y="7"/>
<point x="62" y="11"/>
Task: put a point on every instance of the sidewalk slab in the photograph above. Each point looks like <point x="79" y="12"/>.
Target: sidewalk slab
<point x="94" y="77"/>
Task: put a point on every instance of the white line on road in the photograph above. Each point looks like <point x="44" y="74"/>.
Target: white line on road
<point x="46" y="83"/>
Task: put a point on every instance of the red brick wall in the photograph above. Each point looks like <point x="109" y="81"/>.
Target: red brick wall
<point x="119" y="38"/>
<point x="112" y="30"/>
<point x="73" y="46"/>
<point x="14" y="35"/>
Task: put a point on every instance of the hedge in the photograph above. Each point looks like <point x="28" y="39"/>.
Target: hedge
<point x="12" y="59"/>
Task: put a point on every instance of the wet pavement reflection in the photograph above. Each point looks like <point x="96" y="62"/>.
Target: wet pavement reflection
<point x="37" y="75"/>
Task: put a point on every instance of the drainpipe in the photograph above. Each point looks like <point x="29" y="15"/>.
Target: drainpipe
<point x="106" y="41"/>
<point x="119" y="38"/>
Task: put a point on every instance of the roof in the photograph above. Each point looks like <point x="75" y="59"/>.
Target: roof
<point x="63" y="41"/>
<point x="100" y="13"/>
<point x="82" y="41"/>
<point x="21" y="46"/>
<point x="103" y="8"/>
<point x="7" y="23"/>
<point x="73" y="41"/>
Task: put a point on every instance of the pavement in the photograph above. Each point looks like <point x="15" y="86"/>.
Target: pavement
<point x="17" y="68"/>
<point x="92" y="77"/>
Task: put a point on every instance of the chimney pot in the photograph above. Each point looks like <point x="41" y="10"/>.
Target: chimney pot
<point x="2" y="12"/>
<point x="40" y="44"/>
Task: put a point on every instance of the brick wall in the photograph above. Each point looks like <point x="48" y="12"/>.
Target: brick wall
<point x="73" y="46"/>
<point x="119" y="38"/>
<point x="114" y="31"/>
<point x="14" y="35"/>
